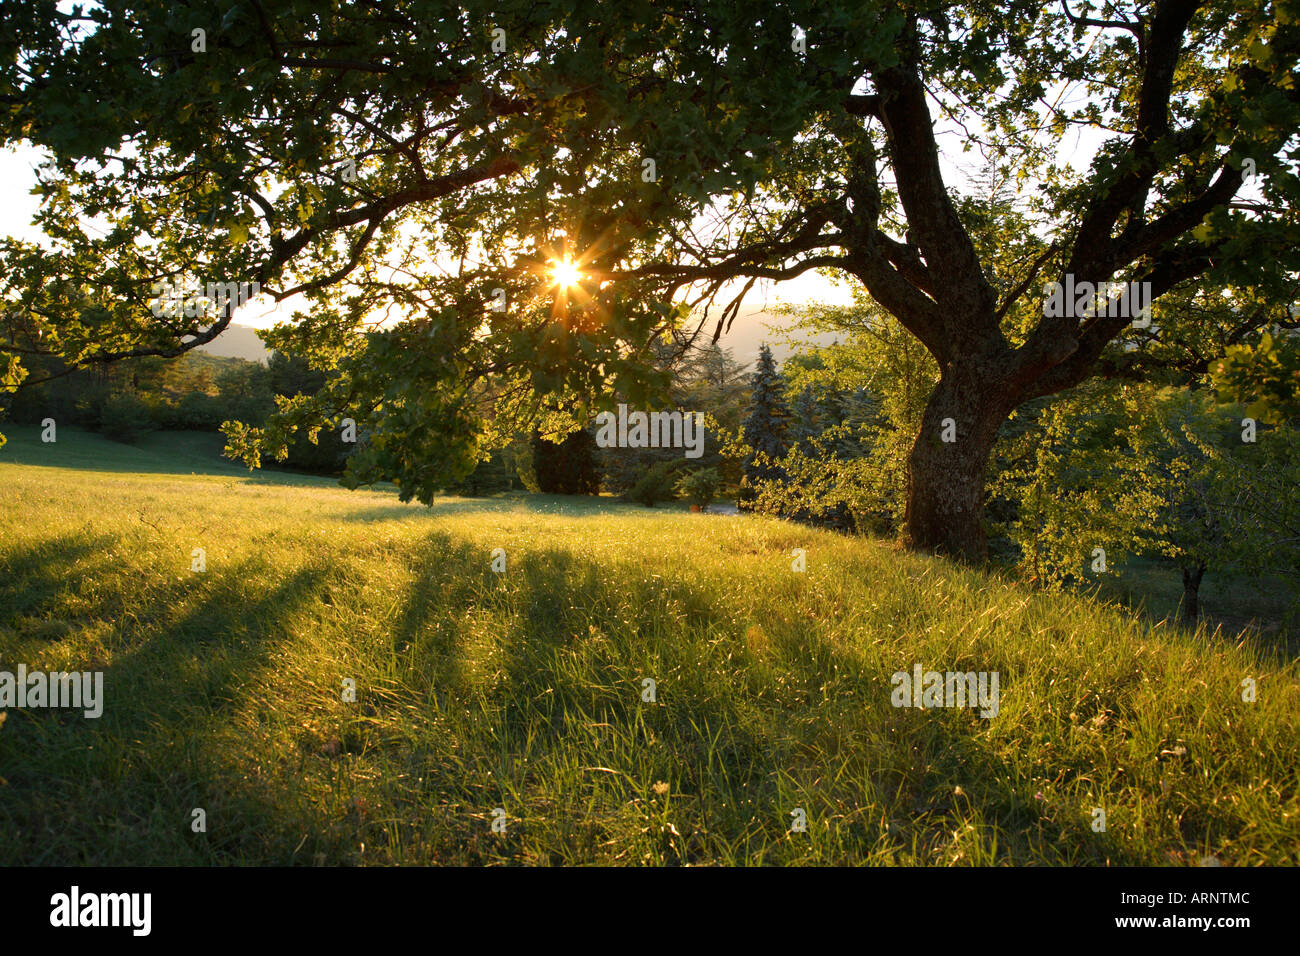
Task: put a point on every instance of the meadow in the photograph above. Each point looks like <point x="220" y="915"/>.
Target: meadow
<point x="524" y="691"/>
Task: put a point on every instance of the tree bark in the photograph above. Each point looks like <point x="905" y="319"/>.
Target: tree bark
<point x="1191" y="592"/>
<point x="945" y="494"/>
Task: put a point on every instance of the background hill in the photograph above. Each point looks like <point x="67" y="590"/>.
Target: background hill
<point x="238" y="341"/>
<point x="748" y="332"/>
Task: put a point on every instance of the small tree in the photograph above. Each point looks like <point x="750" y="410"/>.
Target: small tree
<point x="699" y="487"/>
<point x="1195" y="506"/>
<point x="655" y="485"/>
<point x="1106" y="472"/>
<point x="765" y="427"/>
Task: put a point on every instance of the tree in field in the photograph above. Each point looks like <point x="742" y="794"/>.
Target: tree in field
<point x="322" y="451"/>
<point x="1193" y="517"/>
<point x="1070" y="474"/>
<point x="404" y="160"/>
<point x="1109" y="471"/>
<point x="1194" y="106"/>
<point x="765" y="430"/>
<point x="291" y="375"/>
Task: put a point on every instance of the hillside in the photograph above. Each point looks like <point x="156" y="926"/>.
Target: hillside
<point x="520" y="697"/>
<point x="751" y="328"/>
<point x="237" y="341"/>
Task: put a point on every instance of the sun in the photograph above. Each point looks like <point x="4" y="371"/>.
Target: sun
<point x="565" y="272"/>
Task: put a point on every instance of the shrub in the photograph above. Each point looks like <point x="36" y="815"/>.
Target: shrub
<point x="198" y="411"/>
<point x="700" y="487"/>
<point x="125" y="418"/>
<point x="655" y="485"/>
<point x="567" y="468"/>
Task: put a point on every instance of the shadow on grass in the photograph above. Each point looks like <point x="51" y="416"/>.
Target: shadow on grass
<point x="120" y="788"/>
<point x="32" y="579"/>
<point x="572" y="506"/>
<point x="572" y="662"/>
<point x="566" y="668"/>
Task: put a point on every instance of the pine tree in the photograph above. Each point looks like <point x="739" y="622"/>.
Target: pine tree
<point x="806" y="424"/>
<point x="767" y="425"/>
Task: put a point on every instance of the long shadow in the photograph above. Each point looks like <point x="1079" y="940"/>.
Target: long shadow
<point x="539" y="702"/>
<point x="143" y="765"/>
<point x="550" y="707"/>
<point x="185" y="669"/>
<point x="574" y="506"/>
<point x="37" y="577"/>
<point x="423" y="629"/>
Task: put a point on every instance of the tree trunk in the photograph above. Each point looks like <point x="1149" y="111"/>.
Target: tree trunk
<point x="945" y="482"/>
<point x="1191" y="592"/>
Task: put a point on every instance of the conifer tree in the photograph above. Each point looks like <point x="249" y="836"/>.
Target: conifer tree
<point x="766" y="427"/>
<point x="806" y="424"/>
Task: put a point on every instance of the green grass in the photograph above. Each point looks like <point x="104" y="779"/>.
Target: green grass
<point x="523" y="690"/>
<point x="1260" y="605"/>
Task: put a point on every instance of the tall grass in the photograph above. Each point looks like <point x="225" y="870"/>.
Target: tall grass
<point x="524" y="691"/>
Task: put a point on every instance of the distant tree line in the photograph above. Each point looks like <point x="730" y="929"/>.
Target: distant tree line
<point x="195" y="392"/>
<point x="700" y="379"/>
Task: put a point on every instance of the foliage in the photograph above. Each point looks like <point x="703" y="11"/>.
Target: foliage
<point x="566" y="468"/>
<point x="699" y="486"/>
<point x="656" y="485"/>
<point x="319" y="451"/>
<point x="874" y="380"/>
<point x="1266" y="377"/>
<point x="125" y="417"/>
<point x="1256" y="486"/>
<point x="1136" y="470"/>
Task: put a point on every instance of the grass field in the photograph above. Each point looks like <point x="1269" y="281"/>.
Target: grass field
<point x="523" y="691"/>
